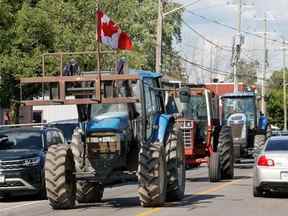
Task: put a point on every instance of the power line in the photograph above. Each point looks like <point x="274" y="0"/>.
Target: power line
<point x="233" y="28"/>
<point x="203" y="37"/>
<point x="209" y="7"/>
<point x="213" y="43"/>
<point x="217" y="71"/>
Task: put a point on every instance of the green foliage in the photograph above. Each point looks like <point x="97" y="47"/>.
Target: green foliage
<point x="275" y="98"/>
<point x="29" y="28"/>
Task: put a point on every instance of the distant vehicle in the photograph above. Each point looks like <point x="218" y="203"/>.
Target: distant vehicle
<point x="67" y="127"/>
<point x="22" y="156"/>
<point x="271" y="167"/>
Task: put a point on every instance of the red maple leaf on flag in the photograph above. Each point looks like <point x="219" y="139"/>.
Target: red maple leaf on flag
<point x="110" y="34"/>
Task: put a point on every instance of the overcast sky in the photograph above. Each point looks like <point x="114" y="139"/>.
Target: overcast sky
<point x="224" y="11"/>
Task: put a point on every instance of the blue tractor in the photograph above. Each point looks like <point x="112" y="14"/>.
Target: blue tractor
<point x="123" y="128"/>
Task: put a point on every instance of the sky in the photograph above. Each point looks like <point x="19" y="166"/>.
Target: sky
<point x="196" y="49"/>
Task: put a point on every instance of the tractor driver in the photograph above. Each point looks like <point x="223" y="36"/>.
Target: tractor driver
<point x="263" y="122"/>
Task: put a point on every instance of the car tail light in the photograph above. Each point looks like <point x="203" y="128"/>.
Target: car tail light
<point x="264" y="161"/>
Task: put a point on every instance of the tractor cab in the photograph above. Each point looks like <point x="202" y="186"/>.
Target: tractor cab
<point x="196" y="123"/>
<point x="240" y="113"/>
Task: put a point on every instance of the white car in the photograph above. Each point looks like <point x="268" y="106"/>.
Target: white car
<point x="271" y="167"/>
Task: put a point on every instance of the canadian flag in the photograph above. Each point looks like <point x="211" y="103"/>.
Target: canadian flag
<point x="110" y="34"/>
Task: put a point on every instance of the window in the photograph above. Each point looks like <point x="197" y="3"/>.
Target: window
<point x="21" y="140"/>
<point x="277" y="145"/>
<point x="37" y="116"/>
<point x="54" y="137"/>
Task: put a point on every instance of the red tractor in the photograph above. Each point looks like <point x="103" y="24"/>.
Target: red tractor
<point x="203" y="135"/>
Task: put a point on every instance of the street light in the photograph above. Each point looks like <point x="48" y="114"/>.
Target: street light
<point x="161" y="16"/>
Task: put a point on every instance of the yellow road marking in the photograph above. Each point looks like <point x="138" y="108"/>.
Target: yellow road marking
<point x="149" y="212"/>
<point x="217" y="188"/>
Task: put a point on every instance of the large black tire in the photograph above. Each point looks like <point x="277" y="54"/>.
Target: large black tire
<point x="60" y="177"/>
<point x="226" y="153"/>
<point x="259" y="141"/>
<point x="175" y="160"/>
<point x="152" y="175"/>
<point x="257" y="192"/>
<point x="87" y="192"/>
<point x="214" y="167"/>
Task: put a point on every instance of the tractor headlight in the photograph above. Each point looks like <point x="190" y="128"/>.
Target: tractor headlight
<point x="103" y="139"/>
<point x="188" y="124"/>
<point x="109" y="139"/>
<point x="32" y="161"/>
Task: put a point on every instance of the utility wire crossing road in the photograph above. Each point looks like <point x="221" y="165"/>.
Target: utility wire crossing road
<point x="202" y="198"/>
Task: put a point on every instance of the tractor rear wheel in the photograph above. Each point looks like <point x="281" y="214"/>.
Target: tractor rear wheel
<point x="152" y="175"/>
<point x="214" y="167"/>
<point x="259" y="141"/>
<point x="175" y="160"/>
<point x="226" y="153"/>
<point x="59" y="177"/>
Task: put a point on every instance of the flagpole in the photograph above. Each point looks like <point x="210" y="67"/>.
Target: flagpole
<point x="96" y="36"/>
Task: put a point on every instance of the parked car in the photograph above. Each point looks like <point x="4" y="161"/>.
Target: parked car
<point x="22" y="157"/>
<point x="271" y="167"/>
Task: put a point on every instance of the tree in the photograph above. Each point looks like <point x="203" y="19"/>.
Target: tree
<point x="275" y="98"/>
<point x="29" y="28"/>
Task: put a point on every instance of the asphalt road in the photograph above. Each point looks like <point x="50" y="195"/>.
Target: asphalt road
<point x="231" y="198"/>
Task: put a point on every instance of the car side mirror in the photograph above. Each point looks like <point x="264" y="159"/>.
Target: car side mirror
<point x="184" y="95"/>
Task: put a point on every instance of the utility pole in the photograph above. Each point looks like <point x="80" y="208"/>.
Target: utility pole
<point x="263" y="107"/>
<point x="211" y="63"/>
<point x="159" y="36"/>
<point x="239" y="20"/>
<point x="238" y="40"/>
<point x="284" y="86"/>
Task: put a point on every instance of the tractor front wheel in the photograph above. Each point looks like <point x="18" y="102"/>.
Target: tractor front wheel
<point x="88" y="192"/>
<point x="226" y="153"/>
<point x="152" y="175"/>
<point x="214" y="167"/>
<point x="60" y="177"/>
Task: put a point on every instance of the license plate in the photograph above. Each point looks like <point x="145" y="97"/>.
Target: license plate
<point x="2" y="179"/>
<point x="284" y="176"/>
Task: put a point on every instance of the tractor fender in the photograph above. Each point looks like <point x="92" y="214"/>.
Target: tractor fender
<point x="164" y="123"/>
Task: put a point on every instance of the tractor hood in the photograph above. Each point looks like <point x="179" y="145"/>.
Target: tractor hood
<point x="108" y="122"/>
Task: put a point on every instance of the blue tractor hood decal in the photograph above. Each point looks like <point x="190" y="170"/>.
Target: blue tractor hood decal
<point x="108" y="122"/>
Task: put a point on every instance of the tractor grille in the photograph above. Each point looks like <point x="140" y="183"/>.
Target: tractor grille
<point x="186" y="127"/>
<point x="237" y="130"/>
<point x="103" y="143"/>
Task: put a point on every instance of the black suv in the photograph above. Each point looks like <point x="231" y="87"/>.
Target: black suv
<point x="22" y="157"/>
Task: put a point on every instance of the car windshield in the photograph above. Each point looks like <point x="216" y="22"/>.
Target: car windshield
<point x="20" y="140"/>
<point x="277" y="145"/>
<point x="239" y="105"/>
<point x="100" y="109"/>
